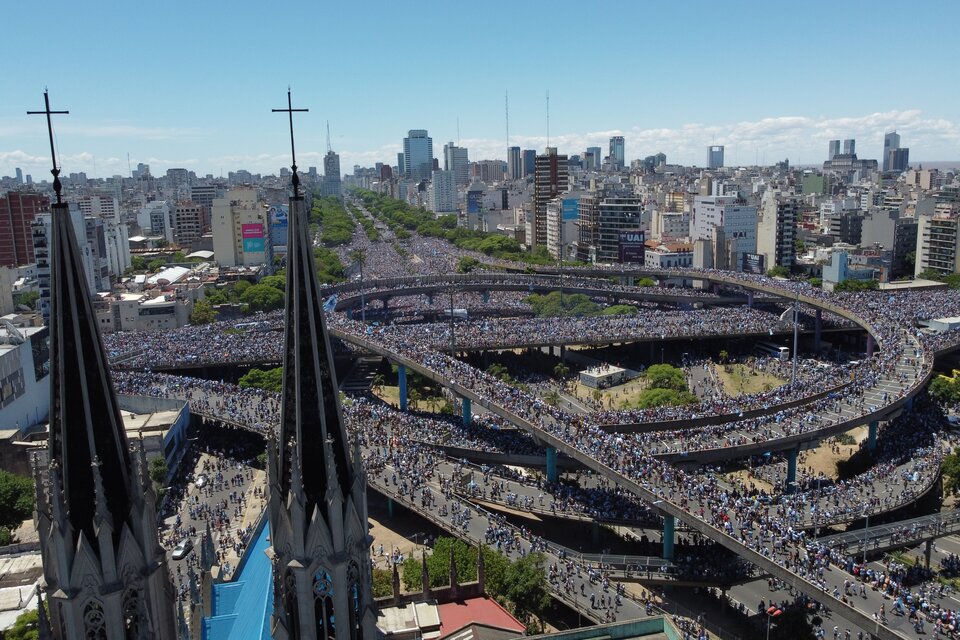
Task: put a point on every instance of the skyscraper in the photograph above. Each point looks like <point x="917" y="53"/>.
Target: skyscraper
<point x="331" y="176"/>
<point x="550" y="180"/>
<point x="529" y="161"/>
<point x="597" y="157"/>
<point x="443" y="192"/>
<point x="617" y="152"/>
<point x="849" y="147"/>
<point x="834" y="150"/>
<point x="895" y="157"/>
<point x="417" y="155"/>
<point x="715" y="157"/>
<point x="514" y="168"/>
<point x="457" y="162"/>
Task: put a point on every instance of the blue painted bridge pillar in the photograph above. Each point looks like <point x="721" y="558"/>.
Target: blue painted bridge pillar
<point x="552" y="475"/>
<point x="817" y="330"/>
<point x="873" y="427"/>
<point x="402" y="382"/>
<point x="467" y="411"/>
<point x="792" y="469"/>
<point x="669" y="524"/>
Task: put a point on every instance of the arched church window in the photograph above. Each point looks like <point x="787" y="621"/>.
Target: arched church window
<point x="94" y="622"/>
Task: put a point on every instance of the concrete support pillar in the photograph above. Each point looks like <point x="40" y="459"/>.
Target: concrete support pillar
<point x="927" y="550"/>
<point x="871" y="344"/>
<point x="817" y="330"/>
<point x="595" y="533"/>
<point x="467" y="411"/>
<point x="552" y="475"/>
<point x="402" y="382"/>
<point x="874" y="427"/>
<point x="792" y="469"/>
<point x="750" y="299"/>
<point x="669" y="524"/>
<point x="486" y="297"/>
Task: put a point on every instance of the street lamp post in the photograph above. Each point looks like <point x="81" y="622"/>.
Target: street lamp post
<point x="772" y="613"/>
<point x="796" y="331"/>
<point x="866" y="530"/>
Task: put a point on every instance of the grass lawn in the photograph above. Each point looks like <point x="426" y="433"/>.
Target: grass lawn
<point x="742" y="381"/>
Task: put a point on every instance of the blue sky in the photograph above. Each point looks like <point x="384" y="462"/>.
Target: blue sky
<point x="191" y="84"/>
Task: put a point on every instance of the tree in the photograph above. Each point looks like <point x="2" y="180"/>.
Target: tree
<point x="138" y="263"/>
<point x="26" y="298"/>
<point x="382" y="583"/>
<point x="724" y="356"/>
<point x="654" y="397"/>
<point x="856" y="285"/>
<point x="666" y="376"/>
<point x="266" y="379"/>
<point x="203" y="313"/>
<point x="552" y="398"/>
<point x="262" y="297"/>
<point x="525" y="583"/>
<point x="414" y="396"/>
<point x="561" y="370"/>
<point x="158" y="471"/>
<point x="16" y="499"/>
<point x="944" y="389"/>
<point x="26" y="626"/>
<point x="240" y="287"/>
<point x="778" y="271"/>
<point x="646" y="282"/>
<point x="466" y="264"/>
<point x="377" y="383"/>
<point x="156" y="265"/>
<point x="277" y="282"/>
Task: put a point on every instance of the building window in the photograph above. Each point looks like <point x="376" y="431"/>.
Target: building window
<point x="323" y="605"/>
<point x="131" y="613"/>
<point x="94" y="624"/>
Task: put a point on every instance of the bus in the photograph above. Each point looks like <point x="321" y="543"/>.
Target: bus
<point x="770" y="350"/>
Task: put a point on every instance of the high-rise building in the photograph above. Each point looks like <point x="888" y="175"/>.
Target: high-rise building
<point x="100" y="206"/>
<point x="19" y="175"/>
<point x="443" y="192"/>
<point x="834" y="150"/>
<point x="240" y="230"/>
<point x="104" y="570"/>
<point x="317" y="505"/>
<point x="189" y="221"/>
<point x="729" y="220"/>
<point x="597" y="158"/>
<point x="603" y="215"/>
<point x="514" y="167"/>
<point x="417" y="155"/>
<point x="937" y="244"/>
<point x="715" y="156"/>
<point x="457" y="162"/>
<point x="178" y="177"/>
<point x="617" y="152"/>
<point x="331" y="185"/>
<point x="18" y="209"/>
<point x="156" y="219"/>
<point x="529" y="162"/>
<point x="849" y="147"/>
<point x="489" y="171"/>
<point x="776" y="229"/>
<point x="549" y="181"/>
<point x="895" y="157"/>
<point x="204" y="195"/>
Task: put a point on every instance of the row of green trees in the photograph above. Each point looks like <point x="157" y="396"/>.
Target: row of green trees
<point x="554" y="304"/>
<point x="369" y="227"/>
<point x="336" y="225"/>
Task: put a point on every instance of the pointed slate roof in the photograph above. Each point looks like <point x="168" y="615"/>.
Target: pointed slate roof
<point x="85" y="423"/>
<point x="311" y="416"/>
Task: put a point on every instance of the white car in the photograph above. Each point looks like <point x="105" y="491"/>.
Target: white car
<point x="182" y="549"/>
<point x="201" y="481"/>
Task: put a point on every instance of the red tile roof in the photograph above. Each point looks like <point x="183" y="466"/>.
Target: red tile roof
<point x="457" y="615"/>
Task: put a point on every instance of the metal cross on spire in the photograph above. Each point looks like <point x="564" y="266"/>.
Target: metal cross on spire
<point x="53" y="156"/>
<point x="293" y="153"/>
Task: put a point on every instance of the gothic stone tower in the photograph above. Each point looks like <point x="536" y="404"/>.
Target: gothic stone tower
<point x="317" y="509"/>
<point x="105" y="572"/>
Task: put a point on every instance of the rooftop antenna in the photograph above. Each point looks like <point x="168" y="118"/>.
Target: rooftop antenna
<point x="329" y="148"/>
<point x="458" y="131"/>
<point x="128" y="165"/>
<point x="293" y="153"/>
<point x="548" y="117"/>
<point x="507" y="107"/>
<point x="57" y="187"/>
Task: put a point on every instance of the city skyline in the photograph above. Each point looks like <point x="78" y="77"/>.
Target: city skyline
<point x="169" y="106"/>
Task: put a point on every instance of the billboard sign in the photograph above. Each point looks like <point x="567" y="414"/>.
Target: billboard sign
<point x="253" y="240"/>
<point x="632" y="248"/>
<point x="753" y="263"/>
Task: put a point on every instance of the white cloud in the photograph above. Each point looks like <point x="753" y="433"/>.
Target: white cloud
<point x="800" y="138"/>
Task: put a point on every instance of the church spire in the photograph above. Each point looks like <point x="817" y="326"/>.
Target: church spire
<point x="318" y="514"/>
<point x="104" y="569"/>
